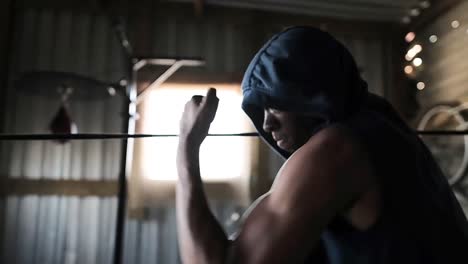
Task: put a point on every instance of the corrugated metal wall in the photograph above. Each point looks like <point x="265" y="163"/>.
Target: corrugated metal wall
<point x="53" y="229"/>
<point x="71" y="43"/>
<point x="445" y="62"/>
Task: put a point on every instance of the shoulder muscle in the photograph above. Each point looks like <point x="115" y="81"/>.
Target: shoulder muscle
<point x="328" y="171"/>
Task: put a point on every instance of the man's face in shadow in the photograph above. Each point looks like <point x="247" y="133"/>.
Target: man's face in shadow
<point x="290" y="130"/>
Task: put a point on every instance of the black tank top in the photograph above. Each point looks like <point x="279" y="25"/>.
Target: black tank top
<point x="420" y="221"/>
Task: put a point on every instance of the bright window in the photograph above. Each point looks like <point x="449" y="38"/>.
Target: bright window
<point x="221" y="158"/>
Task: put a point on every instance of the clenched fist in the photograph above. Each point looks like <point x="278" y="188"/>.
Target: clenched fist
<point x="196" y="119"/>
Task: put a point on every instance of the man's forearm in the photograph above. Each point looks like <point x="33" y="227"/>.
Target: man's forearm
<point x="201" y="238"/>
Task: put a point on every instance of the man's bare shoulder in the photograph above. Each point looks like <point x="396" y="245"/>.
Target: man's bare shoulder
<point x="337" y="135"/>
<point x="332" y="160"/>
<point x="335" y="143"/>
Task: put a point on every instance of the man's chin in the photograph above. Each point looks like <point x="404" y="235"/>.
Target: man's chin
<point x="285" y="146"/>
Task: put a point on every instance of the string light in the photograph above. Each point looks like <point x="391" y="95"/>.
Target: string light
<point x="410" y="37"/>
<point x="420" y="85"/>
<point x="411" y="55"/>
<point x="433" y="39"/>
<point x="415" y="12"/>
<point x="111" y="90"/>
<point x="424" y="4"/>
<point x="406" y="20"/>
<point x="417" y="62"/>
<point x="413" y="52"/>
<point x="455" y="24"/>
<point x="409" y="69"/>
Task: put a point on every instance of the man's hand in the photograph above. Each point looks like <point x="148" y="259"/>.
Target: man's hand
<point x="198" y="114"/>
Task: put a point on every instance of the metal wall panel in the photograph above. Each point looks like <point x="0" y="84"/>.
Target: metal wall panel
<point x="446" y="61"/>
<point x="81" y="44"/>
<point x="51" y="229"/>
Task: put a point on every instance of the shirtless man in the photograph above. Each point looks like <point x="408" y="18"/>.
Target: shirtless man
<point x="358" y="185"/>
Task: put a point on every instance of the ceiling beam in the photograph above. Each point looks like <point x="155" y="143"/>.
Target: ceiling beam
<point x="355" y="9"/>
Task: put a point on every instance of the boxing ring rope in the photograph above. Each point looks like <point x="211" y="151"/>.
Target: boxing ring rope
<point x="99" y="136"/>
<point x="454" y="180"/>
<point x="92" y="136"/>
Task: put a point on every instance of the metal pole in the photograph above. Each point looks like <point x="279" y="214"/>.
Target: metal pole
<point x="162" y="78"/>
<point x="6" y="68"/>
<point x="128" y="126"/>
<point x="129" y="121"/>
<point x="125" y="168"/>
<point x="6" y="64"/>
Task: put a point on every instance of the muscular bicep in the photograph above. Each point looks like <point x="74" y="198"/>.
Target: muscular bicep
<point x="312" y="187"/>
